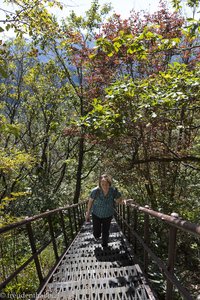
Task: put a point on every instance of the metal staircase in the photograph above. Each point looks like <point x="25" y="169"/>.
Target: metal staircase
<point x="77" y="267"/>
<point x="89" y="271"/>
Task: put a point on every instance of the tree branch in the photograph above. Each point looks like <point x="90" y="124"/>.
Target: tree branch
<point x="165" y="159"/>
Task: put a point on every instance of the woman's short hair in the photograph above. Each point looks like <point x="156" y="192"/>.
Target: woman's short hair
<point x="107" y="177"/>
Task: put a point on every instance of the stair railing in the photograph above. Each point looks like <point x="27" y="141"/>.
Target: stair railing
<point x="130" y="215"/>
<point x="59" y="226"/>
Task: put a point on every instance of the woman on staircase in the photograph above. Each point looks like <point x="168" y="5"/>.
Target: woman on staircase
<point x="101" y="203"/>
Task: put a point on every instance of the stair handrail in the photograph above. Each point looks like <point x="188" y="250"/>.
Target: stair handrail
<point x="174" y="219"/>
<point x="75" y="213"/>
<point x="174" y="222"/>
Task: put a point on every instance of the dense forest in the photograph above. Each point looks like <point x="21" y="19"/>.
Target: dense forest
<point x="98" y="93"/>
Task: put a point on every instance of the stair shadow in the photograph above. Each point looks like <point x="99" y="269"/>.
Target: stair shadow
<point x="110" y="254"/>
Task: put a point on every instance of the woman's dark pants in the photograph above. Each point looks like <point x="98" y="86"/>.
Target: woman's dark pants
<point x="101" y="226"/>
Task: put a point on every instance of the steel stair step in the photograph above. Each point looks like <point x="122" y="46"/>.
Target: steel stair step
<point x="78" y="273"/>
<point x="89" y="271"/>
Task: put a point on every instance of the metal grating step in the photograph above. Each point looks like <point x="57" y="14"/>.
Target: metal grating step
<point x="100" y="254"/>
<point x="121" y="293"/>
<point x="100" y="283"/>
<point x="90" y="265"/>
<point x="104" y="287"/>
<point x="80" y="273"/>
<point x="88" y="271"/>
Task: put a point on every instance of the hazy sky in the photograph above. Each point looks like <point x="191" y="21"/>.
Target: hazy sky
<point x="122" y="7"/>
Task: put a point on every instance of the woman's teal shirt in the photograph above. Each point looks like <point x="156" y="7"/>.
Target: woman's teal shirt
<point x="103" y="206"/>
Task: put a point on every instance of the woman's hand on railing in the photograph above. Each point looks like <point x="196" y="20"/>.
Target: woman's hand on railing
<point x="127" y="201"/>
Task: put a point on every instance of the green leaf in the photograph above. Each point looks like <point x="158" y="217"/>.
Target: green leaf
<point x="117" y="45"/>
<point x="3" y="72"/>
<point x="110" y="54"/>
<point x="149" y="35"/>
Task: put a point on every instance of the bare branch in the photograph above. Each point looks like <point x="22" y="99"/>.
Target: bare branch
<point x="166" y="159"/>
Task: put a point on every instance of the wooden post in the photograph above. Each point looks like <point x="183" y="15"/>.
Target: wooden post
<point x="34" y="251"/>
<point x="146" y="239"/>
<point x="78" y="215"/>
<point x="75" y="223"/>
<point x="70" y="223"/>
<point x="171" y="257"/>
<point x="124" y="217"/>
<point x="128" y="220"/>
<point x="63" y="228"/>
<point x="135" y="229"/>
<point x="81" y="213"/>
<point x="53" y="237"/>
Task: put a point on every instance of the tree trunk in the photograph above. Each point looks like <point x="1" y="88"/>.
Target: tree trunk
<point x="79" y="171"/>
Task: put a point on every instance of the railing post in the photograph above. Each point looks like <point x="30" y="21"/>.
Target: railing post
<point x="34" y="251"/>
<point x="120" y="215"/>
<point x="146" y="239"/>
<point x="70" y="223"/>
<point x="78" y="214"/>
<point x="124" y="217"/>
<point x="81" y="212"/>
<point x="63" y="228"/>
<point x="53" y="237"/>
<point x="135" y="229"/>
<point x="116" y="214"/>
<point x="171" y="257"/>
<point x="128" y="221"/>
<point x="75" y="223"/>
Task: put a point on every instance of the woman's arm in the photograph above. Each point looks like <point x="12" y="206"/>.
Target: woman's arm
<point x="124" y="201"/>
<point x="119" y="200"/>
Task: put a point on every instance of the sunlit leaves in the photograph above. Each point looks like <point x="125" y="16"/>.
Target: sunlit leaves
<point x="193" y="24"/>
<point x="3" y="56"/>
<point x="190" y="3"/>
<point x="32" y="17"/>
<point x="143" y="46"/>
<point x="102" y="120"/>
<point x="14" y="160"/>
<point x="145" y="100"/>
